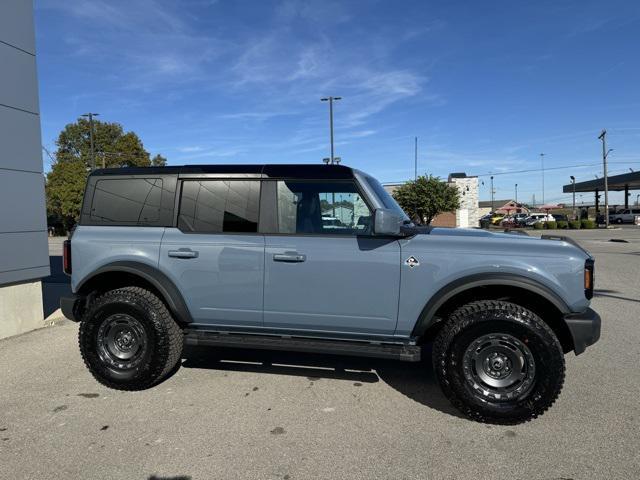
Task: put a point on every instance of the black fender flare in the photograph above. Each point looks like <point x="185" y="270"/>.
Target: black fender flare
<point x="426" y="318"/>
<point x="170" y="293"/>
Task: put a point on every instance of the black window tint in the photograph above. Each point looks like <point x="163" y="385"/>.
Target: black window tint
<point x="217" y="206"/>
<point x="127" y="201"/>
<point x="334" y="208"/>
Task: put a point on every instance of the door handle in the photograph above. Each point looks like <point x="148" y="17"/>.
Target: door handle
<point x="183" y="253"/>
<point x="289" y="257"/>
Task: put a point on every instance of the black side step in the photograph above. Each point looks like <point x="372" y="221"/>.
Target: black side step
<point x="407" y="353"/>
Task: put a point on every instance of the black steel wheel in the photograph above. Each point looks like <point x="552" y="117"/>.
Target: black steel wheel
<point x="498" y="362"/>
<point x="122" y="341"/>
<point x="128" y="339"/>
<point x="499" y="367"/>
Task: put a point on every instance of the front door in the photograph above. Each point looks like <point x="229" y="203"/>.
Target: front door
<point x="324" y="271"/>
<point x="216" y="257"/>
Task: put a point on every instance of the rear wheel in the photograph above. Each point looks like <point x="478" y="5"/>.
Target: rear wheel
<point x="498" y="362"/>
<point x="128" y="339"/>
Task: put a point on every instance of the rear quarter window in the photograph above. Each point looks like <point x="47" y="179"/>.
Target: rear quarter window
<point x="126" y="201"/>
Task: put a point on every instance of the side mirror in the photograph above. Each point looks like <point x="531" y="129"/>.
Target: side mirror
<point x="386" y="222"/>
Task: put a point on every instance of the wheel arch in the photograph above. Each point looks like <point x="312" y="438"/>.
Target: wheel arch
<point x="524" y="291"/>
<point x="128" y="273"/>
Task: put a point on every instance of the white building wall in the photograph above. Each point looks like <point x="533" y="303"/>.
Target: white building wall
<point x="23" y="234"/>
<point x="468" y="214"/>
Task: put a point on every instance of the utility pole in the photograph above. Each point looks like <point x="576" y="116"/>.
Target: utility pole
<point x="331" y="100"/>
<point x="573" y="181"/>
<point x="516" y="194"/>
<point x="605" y="154"/>
<point x="93" y="157"/>
<point x="492" y="191"/>
<point x="415" y="160"/>
<point x="542" y="162"/>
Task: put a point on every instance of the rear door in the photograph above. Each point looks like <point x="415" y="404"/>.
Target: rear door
<point x="215" y="256"/>
<point x="324" y="271"/>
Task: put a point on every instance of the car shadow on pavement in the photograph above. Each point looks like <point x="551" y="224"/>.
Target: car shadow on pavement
<point x="54" y="286"/>
<point x="607" y="293"/>
<point x="414" y="380"/>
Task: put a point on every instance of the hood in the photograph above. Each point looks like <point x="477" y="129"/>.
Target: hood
<point x="516" y="243"/>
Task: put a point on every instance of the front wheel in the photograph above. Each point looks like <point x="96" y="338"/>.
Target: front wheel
<point x="128" y="339"/>
<point x="498" y="362"/>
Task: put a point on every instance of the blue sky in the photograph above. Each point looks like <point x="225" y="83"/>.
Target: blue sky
<point x="486" y="86"/>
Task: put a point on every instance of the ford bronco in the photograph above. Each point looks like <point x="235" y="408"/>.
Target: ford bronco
<point x="319" y="258"/>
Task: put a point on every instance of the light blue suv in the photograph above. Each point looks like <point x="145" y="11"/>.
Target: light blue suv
<point x="319" y="258"/>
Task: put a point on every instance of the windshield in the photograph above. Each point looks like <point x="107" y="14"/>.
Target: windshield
<point x="387" y="200"/>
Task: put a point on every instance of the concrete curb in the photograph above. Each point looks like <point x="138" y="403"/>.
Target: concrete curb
<point x="54" y="319"/>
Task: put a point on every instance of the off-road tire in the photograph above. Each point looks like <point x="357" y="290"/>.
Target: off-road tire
<point x="163" y="339"/>
<point x="480" y="320"/>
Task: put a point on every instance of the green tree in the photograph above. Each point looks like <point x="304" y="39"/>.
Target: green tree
<point x="426" y="197"/>
<point x="64" y="189"/>
<point x="159" y="161"/>
<point x="113" y="147"/>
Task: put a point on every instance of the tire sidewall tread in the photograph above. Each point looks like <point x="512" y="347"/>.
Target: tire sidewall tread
<point x="164" y="337"/>
<point x="478" y="315"/>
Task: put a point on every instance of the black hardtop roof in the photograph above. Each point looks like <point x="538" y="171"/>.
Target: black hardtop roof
<point x="318" y="171"/>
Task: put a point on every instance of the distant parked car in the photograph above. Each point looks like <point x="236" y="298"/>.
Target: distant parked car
<point x="496" y="219"/>
<point x="520" y="218"/>
<point x="514" y="220"/>
<point x="538" y="217"/>
<point x="626" y="216"/>
<point x="560" y="217"/>
<point x="332" y="222"/>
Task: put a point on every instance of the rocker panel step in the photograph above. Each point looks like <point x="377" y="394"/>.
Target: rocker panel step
<point x="407" y="353"/>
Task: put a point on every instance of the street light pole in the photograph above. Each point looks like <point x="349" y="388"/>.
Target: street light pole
<point x="605" y="154"/>
<point x="331" y="100"/>
<point x="93" y="158"/>
<point x="415" y="161"/>
<point x="492" y="210"/>
<point x="573" y="182"/>
<point x="516" y="194"/>
<point x="542" y="162"/>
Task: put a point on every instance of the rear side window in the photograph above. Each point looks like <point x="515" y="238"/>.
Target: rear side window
<point x="126" y="201"/>
<point x="219" y="206"/>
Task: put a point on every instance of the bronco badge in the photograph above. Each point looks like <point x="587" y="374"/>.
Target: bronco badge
<point x="412" y="262"/>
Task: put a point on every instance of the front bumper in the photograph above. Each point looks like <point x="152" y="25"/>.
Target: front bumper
<point x="584" y="328"/>
<point x="72" y="307"/>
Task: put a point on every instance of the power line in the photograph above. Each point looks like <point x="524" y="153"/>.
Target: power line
<point x="509" y="172"/>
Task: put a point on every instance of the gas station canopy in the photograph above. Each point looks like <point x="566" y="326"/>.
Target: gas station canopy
<point x="617" y="183"/>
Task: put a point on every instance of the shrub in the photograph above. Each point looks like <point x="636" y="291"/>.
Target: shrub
<point x="550" y="225"/>
<point x="575" y="224"/>
<point x="562" y="224"/>
<point x="587" y="224"/>
<point x="538" y="225"/>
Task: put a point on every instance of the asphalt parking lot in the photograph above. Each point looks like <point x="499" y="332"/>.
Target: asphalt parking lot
<point x="262" y="415"/>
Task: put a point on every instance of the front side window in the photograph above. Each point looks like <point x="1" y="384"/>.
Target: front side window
<point x="126" y="201"/>
<point x="321" y="207"/>
<point x="219" y="206"/>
